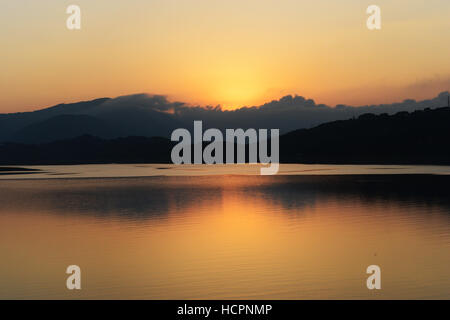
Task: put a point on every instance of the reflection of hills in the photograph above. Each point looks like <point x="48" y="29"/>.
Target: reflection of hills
<point x="418" y="137"/>
<point x="160" y="197"/>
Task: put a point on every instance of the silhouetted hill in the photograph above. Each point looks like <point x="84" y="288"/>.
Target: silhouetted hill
<point x="89" y="149"/>
<point x="151" y="116"/>
<point x="417" y="137"/>
<point x="420" y="137"/>
<point x="67" y="127"/>
<point x="12" y="123"/>
<point x="105" y="117"/>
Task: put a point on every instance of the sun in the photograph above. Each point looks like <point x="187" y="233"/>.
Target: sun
<point x="238" y="87"/>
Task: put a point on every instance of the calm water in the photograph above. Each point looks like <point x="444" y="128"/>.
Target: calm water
<point x="200" y="233"/>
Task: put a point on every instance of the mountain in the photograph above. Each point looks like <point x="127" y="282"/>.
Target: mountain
<point x="149" y="116"/>
<point x="88" y="149"/>
<point x="66" y="127"/>
<point x="419" y="137"/>
<point x="100" y="117"/>
<point x="12" y="123"/>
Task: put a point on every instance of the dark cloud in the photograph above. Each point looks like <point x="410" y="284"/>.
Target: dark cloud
<point x="288" y="113"/>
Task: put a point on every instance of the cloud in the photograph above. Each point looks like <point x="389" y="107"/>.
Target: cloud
<point x="428" y="87"/>
<point x="385" y="94"/>
<point x="288" y="113"/>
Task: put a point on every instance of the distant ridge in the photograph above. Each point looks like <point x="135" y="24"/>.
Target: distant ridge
<point x="67" y="126"/>
<point x="87" y="149"/>
<point x="149" y="116"/>
<point x="420" y="137"/>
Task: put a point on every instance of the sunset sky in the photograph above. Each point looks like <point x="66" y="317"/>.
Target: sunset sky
<point x="227" y="52"/>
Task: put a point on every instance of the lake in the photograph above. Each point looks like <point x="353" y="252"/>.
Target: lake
<point x="225" y="232"/>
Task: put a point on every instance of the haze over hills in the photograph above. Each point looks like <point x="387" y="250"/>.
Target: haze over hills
<point x="150" y="116"/>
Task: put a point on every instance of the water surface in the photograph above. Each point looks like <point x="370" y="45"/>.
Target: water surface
<point x="302" y="236"/>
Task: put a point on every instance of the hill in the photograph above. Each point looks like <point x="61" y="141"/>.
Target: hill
<point x="66" y="127"/>
<point x="151" y="116"/>
<point x="419" y="137"/>
<point x="88" y="149"/>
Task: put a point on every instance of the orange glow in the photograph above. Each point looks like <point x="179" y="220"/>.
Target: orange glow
<point x="227" y="238"/>
<point x="223" y="52"/>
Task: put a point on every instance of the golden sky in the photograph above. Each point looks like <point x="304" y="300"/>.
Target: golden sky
<point x="227" y="52"/>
